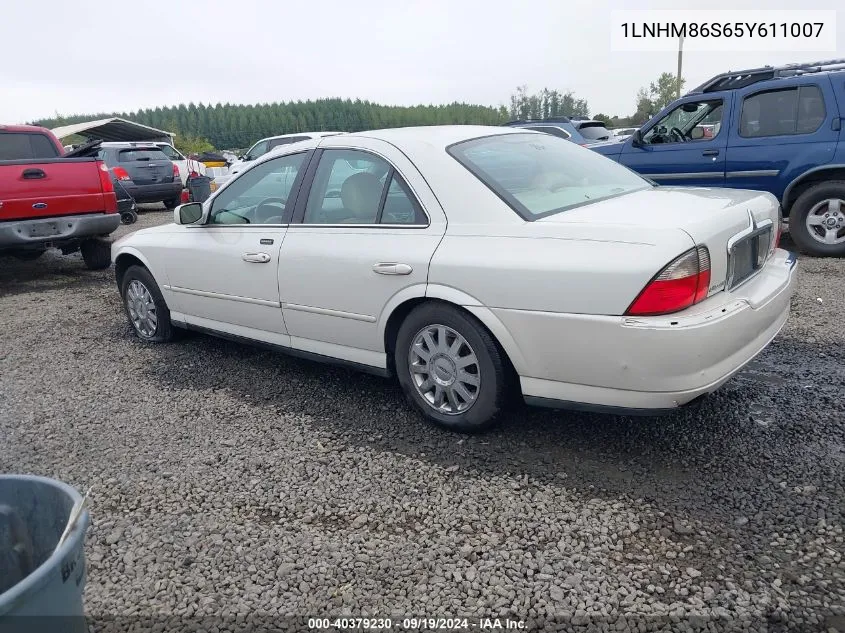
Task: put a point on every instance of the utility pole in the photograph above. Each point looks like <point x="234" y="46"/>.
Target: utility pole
<point x="680" y="63"/>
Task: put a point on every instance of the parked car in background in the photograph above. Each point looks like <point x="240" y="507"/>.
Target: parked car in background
<point x="770" y="129"/>
<point x="144" y="170"/>
<point x="265" y="145"/>
<point x="593" y="131"/>
<point x="621" y="133"/>
<point x="185" y="164"/>
<point x="561" y="127"/>
<point x="48" y="200"/>
<point x="377" y="253"/>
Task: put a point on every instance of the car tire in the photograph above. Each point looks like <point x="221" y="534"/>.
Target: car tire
<point x="483" y="363"/>
<point x="96" y="253"/>
<point x="822" y="203"/>
<point x="138" y="288"/>
<point x="29" y="256"/>
<point x="172" y="203"/>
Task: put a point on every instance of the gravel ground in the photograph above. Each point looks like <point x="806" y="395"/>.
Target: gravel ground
<point x="229" y="480"/>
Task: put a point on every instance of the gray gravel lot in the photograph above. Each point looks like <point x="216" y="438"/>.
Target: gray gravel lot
<point x="230" y="480"/>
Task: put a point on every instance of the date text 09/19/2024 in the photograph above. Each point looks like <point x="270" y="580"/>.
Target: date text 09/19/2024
<point x="417" y="624"/>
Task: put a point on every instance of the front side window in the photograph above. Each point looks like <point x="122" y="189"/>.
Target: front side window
<point x="691" y="121"/>
<point x="355" y="187"/>
<point x="542" y="175"/>
<point x="797" y="110"/>
<point x="171" y="153"/>
<point x="260" y="195"/>
<point x="257" y="150"/>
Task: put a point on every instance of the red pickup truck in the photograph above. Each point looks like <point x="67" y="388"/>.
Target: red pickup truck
<point x="48" y="200"/>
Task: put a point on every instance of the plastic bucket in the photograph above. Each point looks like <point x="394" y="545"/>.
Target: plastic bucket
<point x="36" y="579"/>
<point x="200" y="188"/>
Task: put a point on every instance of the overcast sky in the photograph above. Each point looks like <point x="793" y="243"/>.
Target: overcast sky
<point x="81" y="56"/>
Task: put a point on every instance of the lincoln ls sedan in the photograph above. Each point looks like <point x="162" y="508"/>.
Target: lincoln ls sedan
<point x="473" y="264"/>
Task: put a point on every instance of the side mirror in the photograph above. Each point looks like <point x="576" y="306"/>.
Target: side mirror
<point x="697" y="133"/>
<point x="189" y="213"/>
<point x="637" y="139"/>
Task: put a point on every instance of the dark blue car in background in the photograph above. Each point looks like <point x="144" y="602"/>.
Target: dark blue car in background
<point x="771" y="129"/>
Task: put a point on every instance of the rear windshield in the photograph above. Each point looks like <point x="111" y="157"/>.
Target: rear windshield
<point x="26" y="146"/>
<point x="131" y="155"/>
<point x="538" y="175"/>
<point x="594" y="131"/>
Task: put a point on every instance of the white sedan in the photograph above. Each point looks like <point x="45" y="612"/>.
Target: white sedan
<point x="473" y="263"/>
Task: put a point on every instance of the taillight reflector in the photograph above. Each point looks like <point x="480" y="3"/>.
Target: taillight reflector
<point x="176" y="172"/>
<point x="681" y="284"/>
<point x="105" y="178"/>
<point x="121" y="174"/>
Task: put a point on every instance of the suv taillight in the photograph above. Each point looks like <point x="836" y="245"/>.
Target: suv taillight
<point x="121" y="174"/>
<point x="176" y="175"/>
<point x="681" y="284"/>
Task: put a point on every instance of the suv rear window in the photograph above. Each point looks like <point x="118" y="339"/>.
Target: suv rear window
<point x="131" y="155"/>
<point x="26" y="146"/>
<point x="594" y="131"/>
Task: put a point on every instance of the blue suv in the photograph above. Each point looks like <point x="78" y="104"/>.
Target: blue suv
<point x="771" y="129"/>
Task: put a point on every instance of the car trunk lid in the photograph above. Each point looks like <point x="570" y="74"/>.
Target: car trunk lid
<point x="731" y="223"/>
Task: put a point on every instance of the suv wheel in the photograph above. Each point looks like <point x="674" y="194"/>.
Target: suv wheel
<point x="450" y="367"/>
<point x="96" y="253"/>
<point x="817" y="220"/>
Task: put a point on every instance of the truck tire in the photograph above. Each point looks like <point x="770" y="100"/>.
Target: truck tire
<point x="96" y="253"/>
<point x="172" y="203"/>
<point x="817" y="220"/>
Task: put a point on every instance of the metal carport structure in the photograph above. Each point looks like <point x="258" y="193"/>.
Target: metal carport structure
<point x="114" y="129"/>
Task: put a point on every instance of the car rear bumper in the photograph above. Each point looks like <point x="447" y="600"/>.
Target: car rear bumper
<point x="154" y="193"/>
<point x="648" y="365"/>
<point x="43" y="232"/>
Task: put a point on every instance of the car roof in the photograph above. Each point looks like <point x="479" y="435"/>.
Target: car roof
<point x="23" y="128"/>
<point x="131" y="144"/>
<point x="436" y="135"/>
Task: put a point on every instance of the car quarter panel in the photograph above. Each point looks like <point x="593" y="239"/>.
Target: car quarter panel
<point x="554" y="268"/>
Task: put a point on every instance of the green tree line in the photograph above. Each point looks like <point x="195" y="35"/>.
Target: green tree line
<point x="238" y="126"/>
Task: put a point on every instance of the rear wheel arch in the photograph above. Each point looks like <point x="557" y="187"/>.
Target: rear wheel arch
<point x="806" y="180"/>
<point x="508" y="347"/>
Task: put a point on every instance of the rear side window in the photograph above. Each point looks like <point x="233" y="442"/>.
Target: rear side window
<point x="26" y="146"/>
<point x="132" y="155"/>
<point x="779" y="112"/>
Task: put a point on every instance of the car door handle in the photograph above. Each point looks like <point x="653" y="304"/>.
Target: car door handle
<point x="256" y="258"/>
<point x="33" y="174"/>
<point x="710" y="152"/>
<point x="392" y="269"/>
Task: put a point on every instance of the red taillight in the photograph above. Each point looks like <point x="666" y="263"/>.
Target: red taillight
<point x="105" y="178"/>
<point x="778" y="235"/>
<point x="176" y="175"/>
<point x="684" y="282"/>
<point x="121" y="174"/>
<point x="185" y="197"/>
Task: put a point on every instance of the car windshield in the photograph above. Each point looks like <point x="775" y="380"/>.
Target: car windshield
<point x="539" y="174"/>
